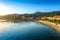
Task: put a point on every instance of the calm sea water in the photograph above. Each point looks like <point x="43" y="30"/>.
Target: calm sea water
<point x="26" y="31"/>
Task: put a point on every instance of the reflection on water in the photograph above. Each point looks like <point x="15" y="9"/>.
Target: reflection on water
<point x="25" y="31"/>
<point x="4" y="25"/>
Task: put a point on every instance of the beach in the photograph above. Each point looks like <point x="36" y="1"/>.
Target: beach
<point x="55" y="26"/>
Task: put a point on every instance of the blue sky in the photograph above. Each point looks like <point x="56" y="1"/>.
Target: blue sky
<point x="31" y="6"/>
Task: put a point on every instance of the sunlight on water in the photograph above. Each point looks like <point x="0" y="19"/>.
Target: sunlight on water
<point x="24" y="31"/>
<point x="4" y="25"/>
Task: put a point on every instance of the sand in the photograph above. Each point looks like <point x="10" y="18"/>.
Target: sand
<point x="52" y="25"/>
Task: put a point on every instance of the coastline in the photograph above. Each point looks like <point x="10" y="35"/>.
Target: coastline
<point x="52" y="25"/>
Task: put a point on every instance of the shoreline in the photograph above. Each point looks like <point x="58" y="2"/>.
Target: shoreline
<point x="52" y="25"/>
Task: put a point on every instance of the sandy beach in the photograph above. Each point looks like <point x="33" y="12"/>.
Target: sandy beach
<point x="51" y="24"/>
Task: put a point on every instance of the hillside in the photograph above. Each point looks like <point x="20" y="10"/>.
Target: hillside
<point x="33" y="16"/>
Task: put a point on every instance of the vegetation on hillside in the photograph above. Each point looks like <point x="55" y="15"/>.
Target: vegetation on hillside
<point x="33" y="16"/>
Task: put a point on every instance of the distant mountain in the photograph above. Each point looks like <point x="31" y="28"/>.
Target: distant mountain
<point x="33" y="16"/>
<point x="47" y="13"/>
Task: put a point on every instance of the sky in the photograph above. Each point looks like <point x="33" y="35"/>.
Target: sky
<point x="28" y="6"/>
